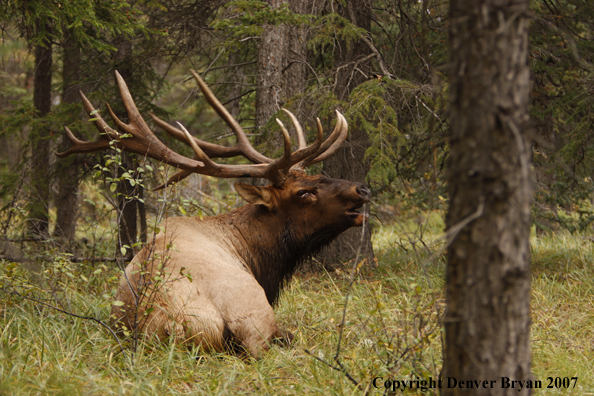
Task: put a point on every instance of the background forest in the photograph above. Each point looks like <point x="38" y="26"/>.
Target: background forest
<point x="66" y="224"/>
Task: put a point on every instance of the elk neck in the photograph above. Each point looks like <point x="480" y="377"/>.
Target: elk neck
<point x="271" y="245"/>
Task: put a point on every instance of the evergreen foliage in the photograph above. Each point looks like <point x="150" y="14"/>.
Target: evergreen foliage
<point x="562" y="60"/>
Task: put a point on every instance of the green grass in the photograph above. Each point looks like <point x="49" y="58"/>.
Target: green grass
<point x="563" y="309"/>
<point x="391" y="330"/>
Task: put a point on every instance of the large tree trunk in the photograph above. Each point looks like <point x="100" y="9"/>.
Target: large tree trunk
<point x="295" y="57"/>
<point x="67" y="169"/>
<point x="271" y="51"/>
<point x="281" y="69"/>
<point x="40" y="154"/>
<point x="349" y="163"/>
<point x="488" y="275"/>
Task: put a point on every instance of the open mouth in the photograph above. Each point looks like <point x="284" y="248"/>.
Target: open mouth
<point x="354" y="210"/>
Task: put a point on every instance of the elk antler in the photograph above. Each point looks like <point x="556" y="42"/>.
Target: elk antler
<point x="138" y="138"/>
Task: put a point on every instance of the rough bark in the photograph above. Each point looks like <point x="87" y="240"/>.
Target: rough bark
<point x="238" y="81"/>
<point x="67" y="169"/>
<point x="488" y="311"/>
<point x="271" y="51"/>
<point x="295" y="57"/>
<point x="40" y="149"/>
<point x="348" y="163"/>
<point x="281" y="71"/>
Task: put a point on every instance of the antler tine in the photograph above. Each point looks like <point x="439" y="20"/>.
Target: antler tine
<point x="99" y="122"/>
<point x="331" y="145"/>
<point x="197" y="150"/>
<point x="102" y="143"/>
<point x="278" y="169"/>
<point x="312" y="150"/>
<point x="313" y="155"/>
<point x="78" y="146"/>
<point x="182" y="174"/>
<point x="122" y="126"/>
<point x="242" y="140"/>
<point x="298" y="129"/>
<point x="210" y="149"/>
<point x="134" y="116"/>
<point x="176" y="177"/>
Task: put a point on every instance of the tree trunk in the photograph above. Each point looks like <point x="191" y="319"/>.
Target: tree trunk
<point x="67" y="168"/>
<point x="40" y="160"/>
<point x="127" y="204"/>
<point x="295" y="57"/>
<point x="271" y="51"/>
<point x="488" y="275"/>
<point x="348" y="162"/>
<point x="281" y="69"/>
<point x="237" y="82"/>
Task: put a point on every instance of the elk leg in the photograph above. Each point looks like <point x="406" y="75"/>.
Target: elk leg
<point x="255" y="330"/>
<point x="197" y="314"/>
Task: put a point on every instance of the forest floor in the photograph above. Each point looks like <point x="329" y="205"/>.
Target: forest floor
<point x="390" y="330"/>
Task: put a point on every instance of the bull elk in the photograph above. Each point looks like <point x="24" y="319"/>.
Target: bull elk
<point x="213" y="280"/>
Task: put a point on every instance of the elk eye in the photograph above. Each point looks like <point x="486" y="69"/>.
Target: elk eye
<point x="302" y="193"/>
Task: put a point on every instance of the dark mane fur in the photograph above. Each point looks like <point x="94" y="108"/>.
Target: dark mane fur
<point x="281" y="262"/>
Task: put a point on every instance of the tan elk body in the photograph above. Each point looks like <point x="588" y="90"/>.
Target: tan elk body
<point x="213" y="280"/>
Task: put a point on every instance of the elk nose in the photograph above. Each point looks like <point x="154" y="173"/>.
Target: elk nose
<point x="363" y="191"/>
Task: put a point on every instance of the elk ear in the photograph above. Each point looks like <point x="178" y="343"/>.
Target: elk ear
<point x="255" y="195"/>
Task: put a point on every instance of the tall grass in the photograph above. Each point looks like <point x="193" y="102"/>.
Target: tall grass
<point x="391" y="329"/>
<point x="563" y="309"/>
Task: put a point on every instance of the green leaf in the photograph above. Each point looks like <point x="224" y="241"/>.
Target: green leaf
<point x="118" y="303"/>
